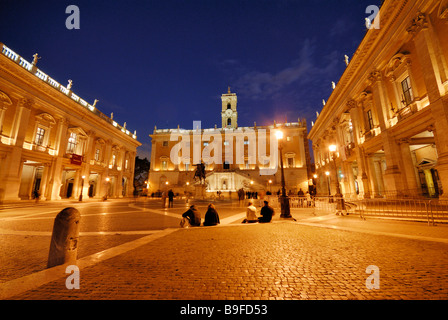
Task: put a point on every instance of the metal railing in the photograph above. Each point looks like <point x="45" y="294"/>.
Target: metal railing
<point x="430" y="211"/>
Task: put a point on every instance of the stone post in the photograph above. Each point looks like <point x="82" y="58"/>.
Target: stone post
<point x="64" y="239"/>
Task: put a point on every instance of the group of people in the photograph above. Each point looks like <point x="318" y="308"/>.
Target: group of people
<point x="266" y="213"/>
<point x="247" y="194"/>
<point x="304" y="200"/>
<point x="170" y="199"/>
<point x="192" y="217"/>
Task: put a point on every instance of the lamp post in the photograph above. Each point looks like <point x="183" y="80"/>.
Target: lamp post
<point x="186" y="192"/>
<point x="107" y="188"/>
<point x="339" y="199"/>
<point x="82" y="187"/>
<point x="327" y="173"/>
<point x="284" y="199"/>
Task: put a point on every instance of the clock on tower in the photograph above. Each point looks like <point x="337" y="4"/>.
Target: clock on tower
<point x="229" y="114"/>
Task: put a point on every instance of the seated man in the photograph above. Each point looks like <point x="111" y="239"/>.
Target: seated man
<point x="266" y="213"/>
<point x="193" y="215"/>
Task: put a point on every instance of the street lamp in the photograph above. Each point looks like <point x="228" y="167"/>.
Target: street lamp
<point x="314" y="187"/>
<point x="284" y="199"/>
<point x="82" y="187"/>
<point x="339" y="199"/>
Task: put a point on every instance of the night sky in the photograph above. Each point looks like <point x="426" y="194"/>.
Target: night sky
<point x="166" y="63"/>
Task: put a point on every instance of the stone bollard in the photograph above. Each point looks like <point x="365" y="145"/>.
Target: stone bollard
<point x="64" y="240"/>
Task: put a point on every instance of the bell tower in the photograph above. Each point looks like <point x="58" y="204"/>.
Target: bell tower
<point x="229" y="114"/>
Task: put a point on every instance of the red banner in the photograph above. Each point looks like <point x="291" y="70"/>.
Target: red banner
<point x="76" y="159"/>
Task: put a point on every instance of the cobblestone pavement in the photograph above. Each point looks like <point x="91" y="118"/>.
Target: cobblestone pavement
<point x="281" y="260"/>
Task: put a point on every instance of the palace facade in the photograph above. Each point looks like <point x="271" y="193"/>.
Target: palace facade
<point x="388" y="113"/>
<point x="54" y="143"/>
<point x="234" y="157"/>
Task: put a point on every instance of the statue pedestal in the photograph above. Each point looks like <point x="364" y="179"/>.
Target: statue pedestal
<point x="199" y="191"/>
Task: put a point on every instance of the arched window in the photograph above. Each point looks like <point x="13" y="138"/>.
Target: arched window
<point x="229" y="122"/>
<point x="229" y="106"/>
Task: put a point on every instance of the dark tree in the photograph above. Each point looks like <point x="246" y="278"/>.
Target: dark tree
<point x="141" y="174"/>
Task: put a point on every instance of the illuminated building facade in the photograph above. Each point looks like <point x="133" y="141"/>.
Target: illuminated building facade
<point x="235" y="157"/>
<point x="54" y="143"/>
<point x="388" y="114"/>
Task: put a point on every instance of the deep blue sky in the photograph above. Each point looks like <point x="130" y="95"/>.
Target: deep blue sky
<point x="166" y="62"/>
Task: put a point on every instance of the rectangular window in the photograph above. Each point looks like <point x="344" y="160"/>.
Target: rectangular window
<point x="97" y="155"/>
<point x="164" y="165"/>
<point x="246" y="142"/>
<point x="40" y="133"/>
<point x="408" y="97"/>
<point x="370" y="119"/>
<point x="226" y="165"/>
<point x="71" y="147"/>
<point x="165" y="143"/>
<point x="113" y="160"/>
<point x="205" y="144"/>
<point x="187" y="167"/>
<point x="290" y="162"/>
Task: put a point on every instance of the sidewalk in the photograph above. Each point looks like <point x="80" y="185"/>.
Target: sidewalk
<point x="312" y="258"/>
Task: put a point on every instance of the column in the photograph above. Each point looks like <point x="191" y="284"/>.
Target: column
<point x="44" y="181"/>
<point x="20" y="123"/>
<point x="349" y="179"/>
<point x="363" y="179"/>
<point x="393" y="179"/>
<point x="76" y="185"/>
<point x="12" y="165"/>
<point x="380" y="99"/>
<point x="89" y="151"/>
<point x="302" y="149"/>
<point x="121" y="162"/>
<point x="4" y="103"/>
<point x="357" y="116"/>
<point x="56" y="168"/>
<point x="373" y="183"/>
<point x="106" y="186"/>
<point x="408" y="167"/>
<point x="428" y="55"/>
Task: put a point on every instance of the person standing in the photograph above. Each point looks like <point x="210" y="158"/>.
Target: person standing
<point x="301" y="197"/>
<point x="170" y="198"/>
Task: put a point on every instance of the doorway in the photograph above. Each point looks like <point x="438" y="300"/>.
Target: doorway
<point x="69" y="189"/>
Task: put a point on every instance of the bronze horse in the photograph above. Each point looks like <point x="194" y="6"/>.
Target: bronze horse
<point x="200" y="172"/>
